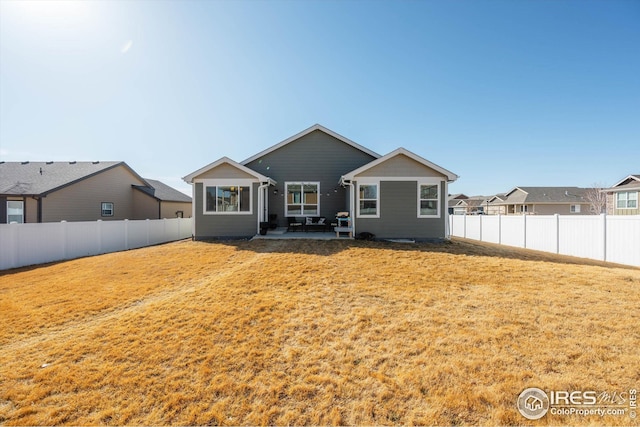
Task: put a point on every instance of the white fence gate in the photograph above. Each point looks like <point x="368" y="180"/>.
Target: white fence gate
<point x="602" y="237"/>
<point x="28" y="244"/>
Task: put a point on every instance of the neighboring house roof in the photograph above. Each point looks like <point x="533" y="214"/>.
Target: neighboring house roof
<point x="306" y="132"/>
<point x="163" y="192"/>
<point x="498" y="198"/>
<point x="189" y="178"/>
<point x="542" y="195"/>
<point x="401" y="151"/>
<point x="631" y="182"/>
<point x="41" y="178"/>
<point x="458" y="196"/>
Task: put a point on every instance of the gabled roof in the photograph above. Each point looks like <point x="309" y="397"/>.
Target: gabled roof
<point x="163" y="192"/>
<point x="189" y="178"/>
<point x="41" y="178"/>
<point x="401" y="151"/>
<point x="545" y="195"/>
<point x="628" y="180"/>
<point x="631" y="182"/>
<point x="306" y="132"/>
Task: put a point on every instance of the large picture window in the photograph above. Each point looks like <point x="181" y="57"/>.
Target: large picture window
<point x="15" y="211"/>
<point x="303" y="199"/>
<point x="228" y="199"/>
<point x="368" y="200"/>
<point x="428" y="200"/>
<point x="627" y="200"/>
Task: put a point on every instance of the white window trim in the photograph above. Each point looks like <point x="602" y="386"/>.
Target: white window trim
<point x="226" y="183"/>
<point x="7" y="207"/>
<point x="438" y="185"/>
<point x="377" y="184"/>
<point x="286" y="193"/>
<point x="627" y="193"/>
<point x="113" y="209"/>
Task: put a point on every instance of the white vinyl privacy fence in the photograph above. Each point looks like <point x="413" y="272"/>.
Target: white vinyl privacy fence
<point x="28" y="244"/>
<point x="602" y="237"/>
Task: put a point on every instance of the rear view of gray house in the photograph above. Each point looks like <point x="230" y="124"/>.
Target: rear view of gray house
<point x="310" y="178"/>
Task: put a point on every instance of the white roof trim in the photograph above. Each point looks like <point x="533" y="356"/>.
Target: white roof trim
<point x="306" y="132"/>
<point x="506" y="196"/>
<point x="624" y="179"/>
<point x="189" y="178"/>
<point x="450" y="175"/>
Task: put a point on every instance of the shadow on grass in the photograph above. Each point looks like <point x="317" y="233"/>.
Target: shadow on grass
<point x="457" y="246"/>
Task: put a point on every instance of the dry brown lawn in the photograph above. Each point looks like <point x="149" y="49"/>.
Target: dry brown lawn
<point x="312" y="333"/>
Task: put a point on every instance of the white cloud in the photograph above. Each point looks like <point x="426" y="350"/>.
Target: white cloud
<point x="126" y="46"/>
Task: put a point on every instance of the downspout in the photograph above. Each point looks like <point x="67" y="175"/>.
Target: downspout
<point x="352" y="195"/>
<point x="261" y="196"/>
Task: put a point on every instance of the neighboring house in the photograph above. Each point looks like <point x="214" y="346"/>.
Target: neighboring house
<point x="495" y="206"/>
<point x="453" y="201"/>
<point x="545" y="201"/>
<point x="475" y="205"/>
<point x="318" y="173"/>
<point x="82" y="191"/>
<point x="623" y="197"/>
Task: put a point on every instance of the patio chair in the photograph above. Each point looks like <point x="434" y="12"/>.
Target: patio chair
<point x="293" y="223"/>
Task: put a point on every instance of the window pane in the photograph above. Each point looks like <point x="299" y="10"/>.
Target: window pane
<point x="294" y="210"/>
<point x="368" y="192"/>
<point x="632" y="196"/>
<point x="368" y="207"/>
<point x="428" y="207"/>
<point x="227" y="199"/>
<point x="15" y="212"/>
<point x="294" y="193"/>
<point x="107" y="209"/>
<point x="310" y="210"/>
<point x="310" y="194"/>
<point x="245" y="199"/>
<point x="211" y="199"/>
<point x="428" y="192"/>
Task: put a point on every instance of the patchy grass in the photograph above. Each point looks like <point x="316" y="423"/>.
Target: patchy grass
<point x="310" y="332"/>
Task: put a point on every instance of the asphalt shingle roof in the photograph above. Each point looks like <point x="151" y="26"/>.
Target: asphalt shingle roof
<point x="162" y="191"/>
<point x="547" y="195"/>
<point x="32" y="178"/>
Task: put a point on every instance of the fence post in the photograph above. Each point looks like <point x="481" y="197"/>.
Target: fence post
<point x="557" y="218"/>
<point x="480" y="227"/>
<point x="148" y="224"/>
<point x="464" y="229"/>
<point x="126" y="234"/>
<point x="499" y="229"/>
<point x="604" y="236"/>
<point x="99" y="231"/>
<point x="524" y="229"/>
<point x="65" y="240"/>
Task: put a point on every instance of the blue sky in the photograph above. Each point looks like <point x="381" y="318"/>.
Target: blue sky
<point x="503" y="93"/>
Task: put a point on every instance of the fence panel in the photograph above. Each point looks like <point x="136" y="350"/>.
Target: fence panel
<point x="542" y="233"/>
<point x="623" y="239"/>
<point x="512" y="231"/>
<point x="610" y="238"/>
<point x="474" y="230"/>
<point x="581" y="236"/>
<point x="29" y="244"/>
<point x="491" y="228"/>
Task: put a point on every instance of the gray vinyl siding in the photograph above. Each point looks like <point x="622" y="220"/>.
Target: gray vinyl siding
<point x="400" y="166"/>
<point x="315" y="157"/>
<point x="399" y="214"/>
<point x="224" y="226"/>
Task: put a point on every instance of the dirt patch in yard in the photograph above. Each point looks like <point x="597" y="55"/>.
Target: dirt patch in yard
<point x="313" y="333"/>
